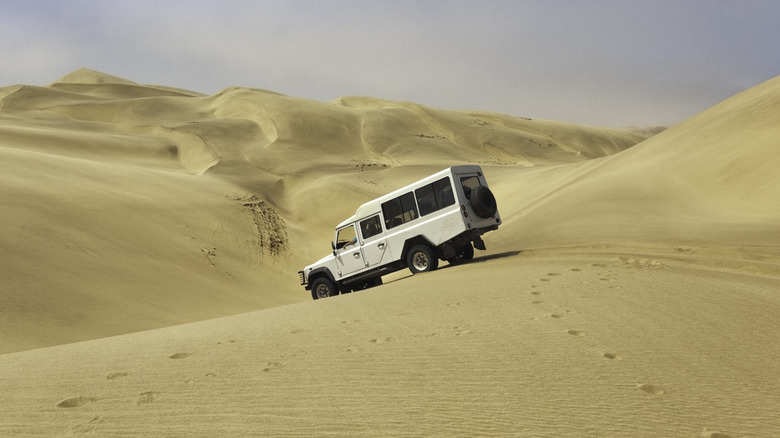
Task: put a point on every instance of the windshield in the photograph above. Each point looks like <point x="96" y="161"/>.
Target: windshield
<point x="345" y="237"/>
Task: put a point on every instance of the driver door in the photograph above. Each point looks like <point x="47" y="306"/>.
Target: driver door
<point x="349" y="257"/>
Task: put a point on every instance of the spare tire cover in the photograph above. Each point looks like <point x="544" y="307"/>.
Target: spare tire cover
<point x="483" y="202"/>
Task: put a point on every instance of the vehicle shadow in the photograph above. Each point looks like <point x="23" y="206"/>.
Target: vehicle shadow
<point x="481" y="259"/>
<point x="489" y="257"/>
<point x="444" y="265"/>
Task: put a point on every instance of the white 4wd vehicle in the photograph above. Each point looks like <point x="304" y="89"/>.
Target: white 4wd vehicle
<point x="437" y="217"/>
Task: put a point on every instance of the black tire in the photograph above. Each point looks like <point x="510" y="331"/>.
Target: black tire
<point x="421" y="258"/>
<point x="323" y="288"/>
<point x="483" y="202"/>
<point x="465" y="252"/>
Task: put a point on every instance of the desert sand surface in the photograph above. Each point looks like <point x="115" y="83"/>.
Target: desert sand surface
<point x="151" y="238"/>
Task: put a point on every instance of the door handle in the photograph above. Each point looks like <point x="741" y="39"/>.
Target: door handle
<point x="381" y="245"/>
<point x="356" y="255"/>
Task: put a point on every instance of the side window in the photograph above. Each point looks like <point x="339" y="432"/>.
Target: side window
<point x="409" y="207"/>
<point x="443" y="190"/>
<point x="393" y="213"/>
<point x="435" y="196"/>
<point x="469" y="183"/>
<point x="346" y="237"/>
<point x="426" y="199"/>
<point x="371" y="227"/>
<point x="400" y="210"/>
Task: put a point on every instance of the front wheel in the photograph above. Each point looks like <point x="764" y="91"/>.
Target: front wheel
<point x="421" y="258"/>
<point x="323" y="288"/>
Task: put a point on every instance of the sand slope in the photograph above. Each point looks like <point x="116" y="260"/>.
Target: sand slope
<point x="557" y="346"/>
<point x="710" y="180"/>
<point x="630" y="291"/>
<point x="129" y="207"/>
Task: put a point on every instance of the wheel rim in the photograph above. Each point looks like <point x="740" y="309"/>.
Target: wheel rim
<point x="420" y="261"/>
<point x="323" y="291"/>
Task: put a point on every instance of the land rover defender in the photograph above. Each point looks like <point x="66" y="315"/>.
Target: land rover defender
<point x="440" y="217"/>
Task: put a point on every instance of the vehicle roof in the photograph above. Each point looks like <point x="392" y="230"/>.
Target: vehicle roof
<point x="374" y="206"/>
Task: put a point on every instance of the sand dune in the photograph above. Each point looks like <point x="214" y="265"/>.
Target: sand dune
<point x="710" y="180"/>
<point x="631" y="291"/>
<point x="130" y="207"/>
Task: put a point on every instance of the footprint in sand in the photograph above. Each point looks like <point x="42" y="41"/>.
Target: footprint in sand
<point x="147" y="397"/>
<point x="576" y="332"/>
<point x="611" y="356"/>
<point x="205" y="376"/>
<point x="461" y="330"/>
<point x="87" y="427"/>
<point x="536" y="292"/>
<point x="113" y="376"/>
<point x="380" y="341"/>
<point x="537" y="302"/>
<point x="650" y="389"/>
<point x="233" y="341"/>
<point x="713" y="434"/>
<point x="179" y="355"/>
<point x="274" y="366"/>
<point x="557" y="316"/>
<point x="75" y="402"/>
<point x="351" y="321"/>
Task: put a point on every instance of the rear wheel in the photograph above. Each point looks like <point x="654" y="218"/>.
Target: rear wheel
<point x="323" y="288"/>
<point x="421" y="258"/>
<point x="465" y="252"/>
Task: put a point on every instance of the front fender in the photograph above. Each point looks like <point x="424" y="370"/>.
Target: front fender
<point x="317" y="273"/>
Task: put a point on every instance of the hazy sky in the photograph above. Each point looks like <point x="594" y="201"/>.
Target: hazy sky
<point x="597" y="62"/>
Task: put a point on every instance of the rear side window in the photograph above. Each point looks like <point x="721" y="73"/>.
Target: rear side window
<point x="443" y="190"/>
<point x="426" y="199"/>
<point x="434" y="196"/>
<point x="400" y="210"/>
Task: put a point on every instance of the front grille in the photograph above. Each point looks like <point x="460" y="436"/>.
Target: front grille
<point x="302" y="278"/>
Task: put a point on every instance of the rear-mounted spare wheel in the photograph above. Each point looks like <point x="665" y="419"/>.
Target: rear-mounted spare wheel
<point x="483" y="202"/>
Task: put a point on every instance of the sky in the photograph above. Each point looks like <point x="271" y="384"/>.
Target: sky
<point x="594" y="62"/>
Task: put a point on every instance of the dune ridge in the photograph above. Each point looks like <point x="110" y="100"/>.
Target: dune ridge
<point x="151" y="237"/>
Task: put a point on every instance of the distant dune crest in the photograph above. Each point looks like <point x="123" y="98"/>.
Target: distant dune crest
<point x="87" y="76"/>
